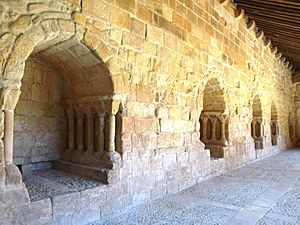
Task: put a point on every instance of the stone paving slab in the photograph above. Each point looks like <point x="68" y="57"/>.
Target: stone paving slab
<point x="263" y="193"/>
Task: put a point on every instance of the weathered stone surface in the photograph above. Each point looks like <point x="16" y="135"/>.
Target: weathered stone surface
<point x="9" y="98"/>
<point x="148" y="79"/>
<point x="13" y="175"/>
<point x="21" y="24"/>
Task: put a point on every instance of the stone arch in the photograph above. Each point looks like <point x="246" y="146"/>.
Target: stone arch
<point x="257" y="131"/>
<point x="60" y="43"/>
<point x="213" y="120"/>
<point x="274" y="125"/>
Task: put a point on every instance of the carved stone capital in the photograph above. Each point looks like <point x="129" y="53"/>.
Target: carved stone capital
<point x="9" y="98"/>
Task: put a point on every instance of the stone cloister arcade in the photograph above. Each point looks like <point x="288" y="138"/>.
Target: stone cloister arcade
<point x="130" y="100"/>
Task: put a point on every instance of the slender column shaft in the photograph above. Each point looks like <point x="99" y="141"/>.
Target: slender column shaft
<point x="79" y="134"/>
<point x="8" y="136"/>
<point x="214" y="122"/>
<point x="112" y="133"/>
<point x="204" y="123"/>
<point x="71" y="132"/>
<point x="100" y="143"/>
<point x="90" y="137"/>
<point x="253" y="127"/>
<point x="223" y="127"/>
<point x="261" y="129"/>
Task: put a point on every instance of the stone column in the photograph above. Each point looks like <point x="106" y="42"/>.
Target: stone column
<point x="223" y="131"/>
<point x="100" y="142"/>
<point x="261" y="129"/>
<point x="90" y="134"/>
<point x="8" y="136"/>
<point x="213" y="130"/>
<point x="71" y="128"/>
<point x="253" y="127"/>
<point x="79" y="133"/>
<point x="112" y="133"/>
<point x="204" y="123"/>
<point x="8" y="101"/>
<point x="111" y="153"/>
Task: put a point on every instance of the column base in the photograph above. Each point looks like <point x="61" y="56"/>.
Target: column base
<point x="112" y="156"/>
<point x="13" y="175"/>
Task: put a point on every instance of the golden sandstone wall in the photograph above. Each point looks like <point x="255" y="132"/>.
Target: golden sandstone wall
<point x="39" y="133"/>
<point x="159" y="56"/>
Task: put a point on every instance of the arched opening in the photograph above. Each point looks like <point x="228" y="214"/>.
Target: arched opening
<point x="62" y="120"/>
<point x="257" y="132"/>
<point x="213" y="120"/>
<point x="274" y="125"/>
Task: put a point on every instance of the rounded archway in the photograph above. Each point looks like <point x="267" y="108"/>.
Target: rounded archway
<point x="61" y="87"/>
<point x="213" y="121"/>
<point x="257" y="131"/>
<point x="67" y="110"/>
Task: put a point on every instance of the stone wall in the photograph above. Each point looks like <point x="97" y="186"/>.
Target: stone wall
<point x="40" y="132"/>
<point x="160" y="56"/>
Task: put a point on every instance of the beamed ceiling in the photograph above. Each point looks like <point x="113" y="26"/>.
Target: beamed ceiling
<point x="280" y="22"/>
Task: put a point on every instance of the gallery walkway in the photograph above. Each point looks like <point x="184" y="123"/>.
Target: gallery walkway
<point x="265" y="192"/>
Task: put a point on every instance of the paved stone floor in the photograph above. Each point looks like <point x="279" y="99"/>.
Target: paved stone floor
<point x="264" y="193"/>
<point x="49" y="183"/>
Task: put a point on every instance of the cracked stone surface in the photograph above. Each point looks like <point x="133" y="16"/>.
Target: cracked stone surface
<point x="49" y="183"/>
<point x="263" y="193"/>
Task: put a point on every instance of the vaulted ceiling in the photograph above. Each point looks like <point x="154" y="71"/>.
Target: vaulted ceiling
<point x="280" y="22"/>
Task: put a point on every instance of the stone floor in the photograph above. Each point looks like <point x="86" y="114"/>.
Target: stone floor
<point x="47" y="183"/>
<point x="264" y="193"/>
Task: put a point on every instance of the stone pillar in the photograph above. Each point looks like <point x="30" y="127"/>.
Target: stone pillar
<point x="8" y="101"/>
<point x="112" y="133"/>
<point x="8" y="136"/>
<point x="111" y="153"/>
<point x="100" y="142"/>
<point x="71" y="128"/>
<point x="79" y="133"/>
<point x="90" y="133"/>
<point x="204" y="123"/>
<point x="253" y="127"/>
<point x="213" y="130"/>
<point x="261" y="129"/>
<point x="223" y="131"/>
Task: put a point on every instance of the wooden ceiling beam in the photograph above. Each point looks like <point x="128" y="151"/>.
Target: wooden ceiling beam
<point x="280" y="22"/>
<point x="273" y="10"/>
<point x="275" y="18"/>
<point x="283" y="4"/>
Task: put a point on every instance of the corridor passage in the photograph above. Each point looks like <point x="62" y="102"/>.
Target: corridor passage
<point x="266" y="192"/>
